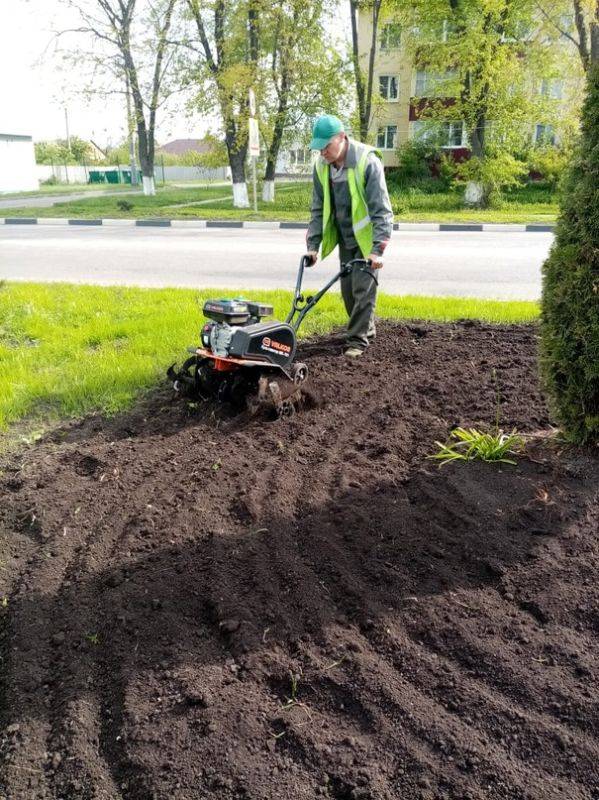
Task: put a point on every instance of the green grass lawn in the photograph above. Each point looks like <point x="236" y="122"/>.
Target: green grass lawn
<point x="522" y="205"/>
<point x="68" y="350"/>
<point x="51" y="190"/>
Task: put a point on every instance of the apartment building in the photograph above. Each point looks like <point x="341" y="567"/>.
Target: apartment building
<point x="401" y="90"/>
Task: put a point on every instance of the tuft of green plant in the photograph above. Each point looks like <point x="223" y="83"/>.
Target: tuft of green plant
<point x="292" y="699"/>
<point x="471" y="444"/>
<point x="124" y="205"/>
<point x="569" y="351"/>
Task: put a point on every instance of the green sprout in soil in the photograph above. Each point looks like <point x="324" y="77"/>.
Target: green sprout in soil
<point x="473" y="444"/>
<point x="292" y="700"/>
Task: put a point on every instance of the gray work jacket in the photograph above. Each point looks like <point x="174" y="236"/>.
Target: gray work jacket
<point x="377" y="199"/>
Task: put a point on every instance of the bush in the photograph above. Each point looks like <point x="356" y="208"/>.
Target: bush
<point x="414" y="159"/>
<point x="499" y="170"/>
<point x="549" y="162"/>
<point x="51" y="181"/>
<point x="570" y="300"/>
<point x="446" y="169"/>
<point x="422" y="166"/>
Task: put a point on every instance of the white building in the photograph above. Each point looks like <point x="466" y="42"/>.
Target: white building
<point x="17" y="163"/>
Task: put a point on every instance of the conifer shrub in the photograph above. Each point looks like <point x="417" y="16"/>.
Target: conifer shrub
<point x="570" y="302"/>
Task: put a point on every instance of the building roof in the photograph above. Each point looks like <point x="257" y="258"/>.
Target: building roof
<point x="179" y="147"/>
<point x="15" y="137"/>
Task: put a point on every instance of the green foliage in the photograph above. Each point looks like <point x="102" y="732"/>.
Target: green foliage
<point x="119" y="155"/>
<point x="499" y="170"/>
<point x="423" y="166"/>
<point x="570" y="303"/>
<point x="471" y="444"/>
<point x="51" y="181"/>
<point x="446" y="171"/>
<point x="490" y="58"/>
<point x="550" y="162"/>
<point x="215" y="157"/>
<point x="414" y="160"/>
<point x="57" y="152"/>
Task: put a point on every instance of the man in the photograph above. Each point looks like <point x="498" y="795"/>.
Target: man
<point x="351" y="208"/>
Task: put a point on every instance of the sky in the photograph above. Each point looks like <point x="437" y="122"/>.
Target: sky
<point x="34" y="92"/>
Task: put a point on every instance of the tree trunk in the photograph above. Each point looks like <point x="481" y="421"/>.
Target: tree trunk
<point x="364" y="92"/>
<point x="268" y="188"/>
<point x="595" y="36"/>
<point x="365" y="123"/>
<point x="237" y="156"/>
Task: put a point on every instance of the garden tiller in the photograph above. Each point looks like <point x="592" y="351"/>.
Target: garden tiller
<point x="247" y="362"/>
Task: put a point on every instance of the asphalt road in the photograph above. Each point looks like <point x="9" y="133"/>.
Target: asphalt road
<point x="500" y="265"/>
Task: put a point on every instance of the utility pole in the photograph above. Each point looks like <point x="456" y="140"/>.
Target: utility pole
<point x="66" y="122"/>
<point x="131" y="132"/>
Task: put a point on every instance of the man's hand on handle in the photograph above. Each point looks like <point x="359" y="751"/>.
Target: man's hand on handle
<point x="376" y="262"/>
<point x="312" y="255"/>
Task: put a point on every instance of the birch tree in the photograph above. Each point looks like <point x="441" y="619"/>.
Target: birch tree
<point x="302" y="73"/>
<point x="128" y="40"/>
<point x="578" y="22"/>
<point x="226" y="44"/>
<point x="364" y="80"/>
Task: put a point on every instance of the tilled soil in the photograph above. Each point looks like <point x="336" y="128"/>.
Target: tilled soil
<point x="203" y="607"/>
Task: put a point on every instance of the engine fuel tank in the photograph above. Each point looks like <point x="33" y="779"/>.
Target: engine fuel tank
<point x="272" y="342"/>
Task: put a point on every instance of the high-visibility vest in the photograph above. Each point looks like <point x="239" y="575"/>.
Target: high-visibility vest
<point x="361" y="223"/>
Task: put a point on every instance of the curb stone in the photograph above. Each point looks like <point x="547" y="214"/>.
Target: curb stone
<point x="442" y="227"/>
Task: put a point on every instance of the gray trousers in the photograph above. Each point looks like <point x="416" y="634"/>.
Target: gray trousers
<point x="359" y="296"/>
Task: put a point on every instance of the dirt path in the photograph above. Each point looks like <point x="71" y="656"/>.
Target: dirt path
<point x="200" y="607"/>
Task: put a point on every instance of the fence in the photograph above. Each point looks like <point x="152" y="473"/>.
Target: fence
<point x="67" y="173"/>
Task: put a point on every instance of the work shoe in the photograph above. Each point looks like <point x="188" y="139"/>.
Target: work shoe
<point x="353" y="352"/>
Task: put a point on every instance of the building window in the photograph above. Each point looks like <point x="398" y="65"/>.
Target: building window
<point x="522" y="31"/>
<point x="447" y="134"/>
<point x="567" y="24"/>
<point x="423" y="130"/>
<point x="452" y="134"/>
<point x="386" y="137"/>
<point x="391" y="36"/>
<point x="447" y="30"/>
<point x="438" y="33"/>
<point x="423" y="80"/>
<point x="299" y="158"/>
<point x="389" y="87"/>
<point x="434" y="84"/>
<point x="552" y="88"/>
<point x="544" y="134"/>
